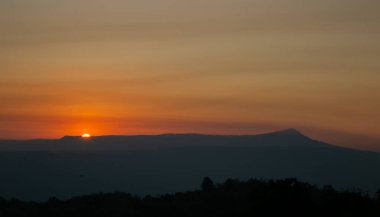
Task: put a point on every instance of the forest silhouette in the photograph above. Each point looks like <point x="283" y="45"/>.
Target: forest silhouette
<point x="288" y="197"/>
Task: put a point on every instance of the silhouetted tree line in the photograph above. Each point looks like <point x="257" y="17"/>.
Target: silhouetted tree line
<point x="233" y="198"/>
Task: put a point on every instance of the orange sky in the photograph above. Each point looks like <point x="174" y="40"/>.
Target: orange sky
<point x="225" y="67"/>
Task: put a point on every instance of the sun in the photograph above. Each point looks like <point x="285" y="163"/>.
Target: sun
<point x="86" y="135"/>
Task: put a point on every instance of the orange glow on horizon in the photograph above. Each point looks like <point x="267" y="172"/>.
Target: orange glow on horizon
<point x="273" y="68"/>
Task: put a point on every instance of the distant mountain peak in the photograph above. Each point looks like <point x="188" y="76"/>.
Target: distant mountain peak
<point x="290" y="132"/>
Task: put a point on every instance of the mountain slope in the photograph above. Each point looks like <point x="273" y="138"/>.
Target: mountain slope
<point x="171" y="162"/>
<point x="285" y="138"/>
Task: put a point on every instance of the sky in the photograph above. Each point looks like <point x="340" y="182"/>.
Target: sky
<point x="201" y="66"/>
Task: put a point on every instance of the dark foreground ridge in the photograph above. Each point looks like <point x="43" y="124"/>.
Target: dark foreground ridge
<point x="234" y="198"/>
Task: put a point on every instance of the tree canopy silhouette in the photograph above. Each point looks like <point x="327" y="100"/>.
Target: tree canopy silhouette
<point x="207" y="184"/>
<point x="287" y="197"/>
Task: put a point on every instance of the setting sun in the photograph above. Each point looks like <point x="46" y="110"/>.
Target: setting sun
<point x="86" y="135"/>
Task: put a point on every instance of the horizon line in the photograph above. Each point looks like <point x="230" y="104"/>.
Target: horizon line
<point x="289" y="130"/>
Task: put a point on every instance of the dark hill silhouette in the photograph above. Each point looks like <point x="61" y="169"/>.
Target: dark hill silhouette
<point x="155" y="164"/>
<point x="285" y="138"/>
<point x="287" y="197"/>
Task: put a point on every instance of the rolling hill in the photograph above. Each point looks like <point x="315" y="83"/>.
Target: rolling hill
<point x="157" y="164"/>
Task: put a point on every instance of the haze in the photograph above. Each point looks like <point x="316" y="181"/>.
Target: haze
<point x="216" y="67"/>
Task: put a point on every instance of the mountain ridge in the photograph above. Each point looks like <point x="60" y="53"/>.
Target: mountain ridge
<point x="287" y="137"/>
<point x="75" y="166"/>
<point x="289" y="131"/>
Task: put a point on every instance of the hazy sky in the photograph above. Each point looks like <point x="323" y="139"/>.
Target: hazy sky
<point x="206" y="66"/>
